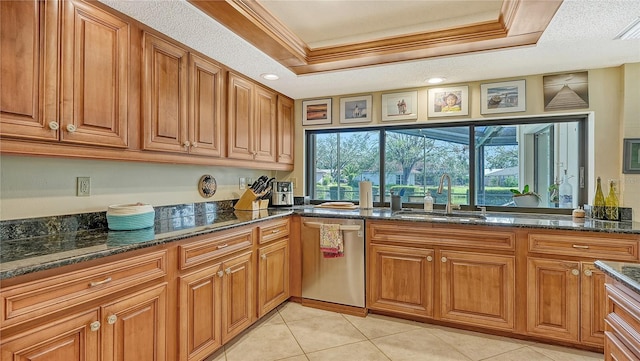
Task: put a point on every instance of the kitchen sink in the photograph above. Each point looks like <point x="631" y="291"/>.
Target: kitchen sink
<point x="461" y="216"/>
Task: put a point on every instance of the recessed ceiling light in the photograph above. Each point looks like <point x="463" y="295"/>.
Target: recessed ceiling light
<point x="435" y="80"/>
<point x="270" y="76"/>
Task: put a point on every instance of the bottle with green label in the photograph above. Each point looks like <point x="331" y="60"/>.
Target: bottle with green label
<point x="598" y="211"/>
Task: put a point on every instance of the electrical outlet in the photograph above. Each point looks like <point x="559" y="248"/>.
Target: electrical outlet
<point x="83" y="186"/>
<point x="294" y="182"/>
<point x="242" y="183"/>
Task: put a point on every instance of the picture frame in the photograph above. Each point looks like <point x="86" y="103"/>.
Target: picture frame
<point x="503" y="97"/>
<point x="400" y="106"/>
<point x="316" y="112"/>
<point x="438" y="106"/>
<point x="566" y="91"/>
<point x="631" y="156"/>
<point x="356" y="109"/>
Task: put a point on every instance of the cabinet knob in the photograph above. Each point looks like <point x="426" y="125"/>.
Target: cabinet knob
<point x="429" y="258"/>
<point x="186" y="144"/>
<point x="71" y="128"/>
<point x="53" y="125"/>
<point x="220" y="274"/>
<point x="443" y="259"/>
<point x="588" y="272"/>
<point x="194" y="144"/>
<point x="94" y="326"/>
<point x="263" y="256"/>
<point x="112" y="319"/>
<point x="575" y="272"/>
<point x="228" y="271"/>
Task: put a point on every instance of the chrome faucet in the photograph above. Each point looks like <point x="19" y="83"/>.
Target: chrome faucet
<point x="447" y="207"/>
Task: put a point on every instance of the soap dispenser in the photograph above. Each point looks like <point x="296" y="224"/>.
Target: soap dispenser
<point x="428" y="202"/>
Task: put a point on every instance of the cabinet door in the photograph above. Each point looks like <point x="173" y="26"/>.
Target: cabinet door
<point x="273" y="276"/>
<point x="265" y="125"/>
<point x="134" y="327"/>
<point x="553" y="298"/>
<point x="237" y="296"/>
<point x="200" y="312"/>
<point x="29" y="50"/>
<point x="285" y="130"/>
<point x="164" y="95"/>
<point x="95" y="76"/>
<point x="593" y="305"/>
<point x="205" y="107"/>
<point x="240" y="112"/>
<point x="477" y="289"/>
<point x="74" y="338"/>
<point x="401" y="280"/>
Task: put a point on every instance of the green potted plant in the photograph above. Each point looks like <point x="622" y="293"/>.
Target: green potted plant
<point x="526" y="198"/>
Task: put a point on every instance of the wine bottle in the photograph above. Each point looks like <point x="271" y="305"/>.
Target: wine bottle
<point x="611" y="203"/>
<point x="566" y="192"/>
<point x="598" y="211"/>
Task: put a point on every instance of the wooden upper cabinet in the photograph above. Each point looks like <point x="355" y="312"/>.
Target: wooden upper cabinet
<point x="251" y="120"/>
<point x="285" y="130"/>
<point x="95" y="76"/>
<point x="205" y="107"/>
<point x="29" y="53"/>
<point x="164" y="95"/>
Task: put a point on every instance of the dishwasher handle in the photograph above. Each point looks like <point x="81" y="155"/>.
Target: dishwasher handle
<point x="343" y="227"/>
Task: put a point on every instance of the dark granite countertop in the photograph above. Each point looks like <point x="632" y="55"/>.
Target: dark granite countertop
<point x="28" y="246"/>
<point x="626" y="273"/>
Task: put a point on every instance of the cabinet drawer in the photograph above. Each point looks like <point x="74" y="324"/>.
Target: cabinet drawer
<point x="34" y="299"/>
<point x="274" y="230"/>
<point x="624" y="316"/>
<point x="207" y="248"/>
<point x="412" y="234"/>
<point x="611" y="248"/>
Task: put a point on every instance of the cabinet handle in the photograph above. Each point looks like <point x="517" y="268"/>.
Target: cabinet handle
<point x="194" y="145"/>
<point x="53" y="125"/>
<point x="588" y="272"/>
<point x="580" y="246"/>
<point x="429" y="258"/>
<point x="186" y="144"/>
<point x="443" y="259"/>
<point x="275" y="231"/>
<point x="263" y="256"/>
<point x="94" y="326"/>
<point x="228" y="271"/>
<point x="575" y="272"/>
<point x="71" y="128"/>
<point x="220" y="274"/>
<point x="223" y="245"/>
<point x="94" y="284"/>
<point x="112" y="319"/>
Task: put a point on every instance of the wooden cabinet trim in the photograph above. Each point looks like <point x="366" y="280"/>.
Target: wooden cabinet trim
<point x="209" y="247"/>
<point x="25" y="302"/>
<point x="616" y="350"/>
<point x="614" y="247"/>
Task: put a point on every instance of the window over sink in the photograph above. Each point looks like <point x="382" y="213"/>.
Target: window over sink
<point x="485" y="160"/>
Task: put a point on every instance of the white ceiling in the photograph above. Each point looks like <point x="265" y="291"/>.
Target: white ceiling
<point x="580" y="36"/>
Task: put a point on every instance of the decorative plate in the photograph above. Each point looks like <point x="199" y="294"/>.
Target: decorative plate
<point x="207" y="186"/>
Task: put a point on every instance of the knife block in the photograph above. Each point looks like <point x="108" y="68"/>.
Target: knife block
<point x="249" y="202"/>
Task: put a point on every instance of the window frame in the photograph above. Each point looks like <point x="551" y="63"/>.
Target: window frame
<point x="583" y="183"/>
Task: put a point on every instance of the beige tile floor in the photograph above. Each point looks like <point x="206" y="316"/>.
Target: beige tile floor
<point x="296" y="333"/>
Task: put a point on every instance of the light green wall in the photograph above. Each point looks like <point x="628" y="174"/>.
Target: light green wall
<point x="613" y="104"/>
<point x="38" y="186"/>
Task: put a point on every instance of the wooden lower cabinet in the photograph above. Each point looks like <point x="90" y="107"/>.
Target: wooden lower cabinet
<point x="134" y="327"/>
<point x="74" y="338"/>
<point x="200" y="296"/>
<point x="237" y="295"/>
<point x="565" y="301"/>
<point x="616" y="350"/>
<point x="273" y="275"/>
<point x="401" y="280"/>
<point x="477" y="288"/>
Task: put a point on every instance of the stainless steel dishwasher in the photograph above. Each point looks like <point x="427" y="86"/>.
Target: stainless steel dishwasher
<point x="338" y="280"/>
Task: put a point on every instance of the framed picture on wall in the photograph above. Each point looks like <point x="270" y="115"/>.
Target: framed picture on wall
<point x="316" y="111"/>
<point x="504" y="97"/>
<point x="400" y="106"/>
<point x="631" y="156"/>
<point x="446" y="102"/>
<point x="355" y="109"/>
